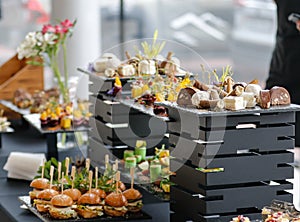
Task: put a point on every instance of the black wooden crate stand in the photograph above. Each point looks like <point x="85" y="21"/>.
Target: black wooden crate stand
<point x="249" y="151"/>
<point x="116" y="126"/>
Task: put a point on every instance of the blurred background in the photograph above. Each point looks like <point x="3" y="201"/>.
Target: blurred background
<point x="240" y="33"/>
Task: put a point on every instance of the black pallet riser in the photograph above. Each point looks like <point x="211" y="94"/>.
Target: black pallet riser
<point x="236" y="170"/>
<point x="111" y="111"/>
<point x="231" y="141"/>
<point x="97" y="150"/>
<point x="182" y="217"/>
<point x="228" y="200"/>
<point x="192" y="124"/>
<point x="138" y="128"/>
<point x="101" y="85"/>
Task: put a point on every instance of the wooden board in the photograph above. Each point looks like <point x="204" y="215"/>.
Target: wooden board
<point x="16" y="74"/>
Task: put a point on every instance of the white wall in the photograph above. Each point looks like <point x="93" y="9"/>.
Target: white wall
<point x="85" y="44"/>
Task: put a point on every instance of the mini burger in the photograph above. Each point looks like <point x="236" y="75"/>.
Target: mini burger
<point x="101" y="193"/>
<point x="43" y="200"/>
<point x="74" y="193"/>
<point x="38" y="185"/>
<point x="88" y="206"/>
<point x="115" y="204"/>
<point x="134" y="198"/>
<point x="61" y="207"/>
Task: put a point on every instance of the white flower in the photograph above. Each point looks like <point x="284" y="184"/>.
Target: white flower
<point x="44" y="40"/>
<point x="30" y="39"/>
<point x="50" y="38"/>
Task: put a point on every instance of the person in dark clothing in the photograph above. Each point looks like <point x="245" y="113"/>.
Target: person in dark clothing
<point x="285" y="63"/>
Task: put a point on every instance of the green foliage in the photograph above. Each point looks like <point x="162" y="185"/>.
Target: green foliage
<point x="52" y="162"/>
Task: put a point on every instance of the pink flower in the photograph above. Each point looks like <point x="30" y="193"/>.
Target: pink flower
<point x="58" y="29"/>
<point x="66" y="25"/>
<point x="48" y="28"/>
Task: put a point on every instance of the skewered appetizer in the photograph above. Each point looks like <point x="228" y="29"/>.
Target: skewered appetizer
<point x="88" y="206"/>
<point x="61" y="207"/>
<point x="115" y="204"/>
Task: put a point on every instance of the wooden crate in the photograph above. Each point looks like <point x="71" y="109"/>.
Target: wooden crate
<point x="15" y="74"/>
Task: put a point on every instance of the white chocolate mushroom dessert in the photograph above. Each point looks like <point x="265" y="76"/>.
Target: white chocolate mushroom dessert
<point x="230" y="95"/>
<point x="106" y="61"/>
<point x="146" y="67"/>
<point x="170" y="65"/>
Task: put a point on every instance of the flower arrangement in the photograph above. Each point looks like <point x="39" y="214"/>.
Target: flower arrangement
<point x="46" y="44"/>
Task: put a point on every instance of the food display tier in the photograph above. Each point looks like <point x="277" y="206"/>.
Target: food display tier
<point x="100" y="83"/>
<point x="34" y="120"/>
<point x="229" y="199"/>
<point x="137" y="128"/>
<point x="202" y="148"/>
<point x="116" y="110"/>
<point x="14" y="108"/>
<point x="254" y="214"/>
<point x="140" y="216"/>
<point x="234" y="170"/>
<point x="210" y="113"/>
<point x="206" y="125"/>
<point x="229" y="163"/>
<point x="97" y="149"/>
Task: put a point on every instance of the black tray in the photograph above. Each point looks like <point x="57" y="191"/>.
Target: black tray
<point x="34" y="120"/>
<point x="46" y="217"/>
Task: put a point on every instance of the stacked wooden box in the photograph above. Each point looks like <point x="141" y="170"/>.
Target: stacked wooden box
<point x="248" y="151"/>
<point x="115" y="126"/>
<point x="15" y="74"/>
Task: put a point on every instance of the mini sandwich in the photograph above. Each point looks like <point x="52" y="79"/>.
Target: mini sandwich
<point x="38" y="185"/>
<point x="74" y="193"/>
<point x="43" y="200"/>
<point x="88" y="206"/>
<point x="115" y="204"/>
<point x="61" y="207"/>
<point x="134" y="198"/>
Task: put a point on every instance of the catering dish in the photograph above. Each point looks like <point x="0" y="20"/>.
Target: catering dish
<point x="141" y="215"/>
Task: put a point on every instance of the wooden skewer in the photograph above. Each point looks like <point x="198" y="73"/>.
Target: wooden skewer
<point x="132" y="176"/>
<point x="117" y="181"/>
<point x="114" y="170"/>
<point x="67" y="163"/>
<point x="90" y="180"/>
<point x="87" y="164"/>
<point x="43" y="168"/>
<point x="58" y="170"/>
<point x="62" y="185"/>
<point x="51" y="175"/>
<point x="127" y="55"/>
<point x="106" y="161"/>
<point x="96" y="177"/>
<point x="117" y="164"/>
<point x="73" y="175"/>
